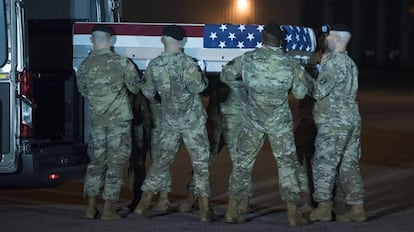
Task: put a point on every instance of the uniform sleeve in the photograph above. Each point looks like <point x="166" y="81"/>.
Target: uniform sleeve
<point x="131" y="76"/>
<point x="232" y="71"/>
<point x="193" y="78"/>
<point x="300" y="85"/>
<point x="148" y="88"/>
<point x="311" y="82"/>
<point x="81" y="81"/>
<point x="325" y="83"/>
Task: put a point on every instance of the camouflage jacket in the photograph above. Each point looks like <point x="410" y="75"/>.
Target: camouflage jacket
<point x="335" y="90"/>
<point x="104" y="79"/>
<point x="236" y="99"/>
<point x="168" y="77"/>
<point x="268" y="74"/>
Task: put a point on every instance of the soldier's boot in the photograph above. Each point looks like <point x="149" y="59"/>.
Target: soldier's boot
<point x="205" y="212"/>
<point x="322" y="213"/>
<point x="357" y="213"/>
<point x="144" y="203"/>
<point x="295" y="217"/>
<point x="243" y="205"/>
<point x="163" y="202"/>
<point x="232" y="213"/>
<point x="91" y="212"/>
<point x="187" y="205"/>
<point x="108" y="212"/>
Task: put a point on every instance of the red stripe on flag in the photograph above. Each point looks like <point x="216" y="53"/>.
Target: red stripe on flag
<point x="138" y="29"/>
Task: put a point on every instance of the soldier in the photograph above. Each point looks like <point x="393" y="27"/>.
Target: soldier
<point x="176" y="79"/>
<point x="217" y="93"/>
<point x="155" y="107"/>
<point x="141" y="129"/>
<point x="305" y="129"/>
<point x="304" y="140"/>
<point x="232" y="120"/>
<point x="106" y="79"/>
<point x="145" y="137"/>
<point x="268" y="74"/>
<point x="338" y="122"/>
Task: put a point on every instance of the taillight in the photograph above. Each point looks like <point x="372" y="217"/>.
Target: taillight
<point x="26" y="125"/>
<point x="26" y="85"/>
<point x="26" y="94"/>
<point x="53" y="176"/>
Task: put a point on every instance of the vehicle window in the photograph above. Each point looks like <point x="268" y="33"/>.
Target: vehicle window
<point x="3" y="34"/>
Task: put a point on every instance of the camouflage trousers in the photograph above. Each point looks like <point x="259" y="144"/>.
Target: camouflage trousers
<point x="214" y="129"/>
<point x="284" y="152"/>
<point x="305" y="134"/>
<point x="197" y="144"/>
<point x="232" y="126"/>
<point x="156" y="155"/>
<point x="136" y="170"/>
<point x="109" y="150"/>
<point x="336" y="162"/>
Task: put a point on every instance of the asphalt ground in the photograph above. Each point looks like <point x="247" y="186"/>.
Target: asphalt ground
<point x="387" y="167"/>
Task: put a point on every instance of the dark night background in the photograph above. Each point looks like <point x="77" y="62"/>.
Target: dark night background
<point x="382" y="30"/>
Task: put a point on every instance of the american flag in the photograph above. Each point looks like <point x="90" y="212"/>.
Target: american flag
<point x="232" y="35"/>
<point x="298" y="39"/>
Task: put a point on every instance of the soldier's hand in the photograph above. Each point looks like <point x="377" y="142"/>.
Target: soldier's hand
<point x="191" y="70"/>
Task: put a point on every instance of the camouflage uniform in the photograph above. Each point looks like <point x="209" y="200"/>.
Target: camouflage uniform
<point x="337" y="118"/>
<point x="155" y="141"/>
<point x="146" y="130"/>
<point x="183" y="119"/>
<point x="217" y="94"/>
<point x="141" y="129"/>
<point x="232" y="116"/>
<point x="104" y="79"/>
<point x="268" y="74"/>
<point x="305" y="133"/>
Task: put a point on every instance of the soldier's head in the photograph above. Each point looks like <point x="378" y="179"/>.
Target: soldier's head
<point x="272" y="35"/>
<point x="172" y="36"/>
<point x="101" y="36"/>
<point x="338" y="38"/>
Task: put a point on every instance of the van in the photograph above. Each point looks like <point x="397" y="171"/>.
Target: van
<point x="41" y="112"/>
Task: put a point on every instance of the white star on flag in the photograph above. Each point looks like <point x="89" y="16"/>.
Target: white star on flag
<point x="222" y="44"/>
<point x="250" y="36"/>
<point x="213" y="35"/>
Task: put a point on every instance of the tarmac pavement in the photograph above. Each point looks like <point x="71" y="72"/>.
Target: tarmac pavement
<point x="387" y="167"/>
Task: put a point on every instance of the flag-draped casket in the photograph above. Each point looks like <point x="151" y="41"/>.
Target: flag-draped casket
<point x="212" y="44"/>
